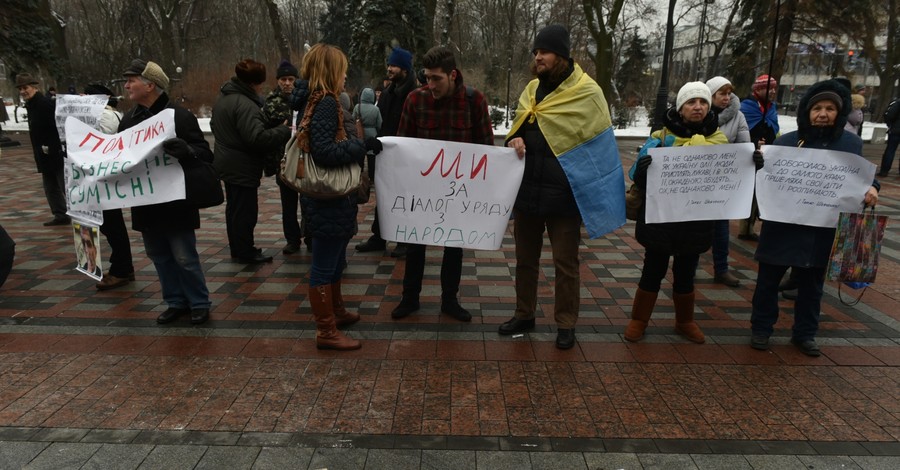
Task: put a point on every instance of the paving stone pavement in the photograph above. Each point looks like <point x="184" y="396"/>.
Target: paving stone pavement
<point x="89" y="380"/>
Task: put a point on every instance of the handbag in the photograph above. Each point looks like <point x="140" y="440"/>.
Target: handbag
<point x="299" y="172"/>
<point x="202" y="187"/>
<point x="855" y="251"/>
<point x="634" y="200"/>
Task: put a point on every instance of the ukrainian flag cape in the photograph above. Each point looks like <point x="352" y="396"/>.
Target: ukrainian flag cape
<point x="575" y="120"/>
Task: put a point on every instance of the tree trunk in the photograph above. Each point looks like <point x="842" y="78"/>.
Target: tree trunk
<point x="785" y="28"/>
<point x="601" y="29"/>
<point x="284" y="47"/>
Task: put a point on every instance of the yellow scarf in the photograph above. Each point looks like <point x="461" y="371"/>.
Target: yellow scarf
<point x="573" y="113"/>
<point x="716" y="138"/>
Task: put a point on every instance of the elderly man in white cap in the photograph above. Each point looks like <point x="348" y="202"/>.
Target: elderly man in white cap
<point x="168" y="228"/>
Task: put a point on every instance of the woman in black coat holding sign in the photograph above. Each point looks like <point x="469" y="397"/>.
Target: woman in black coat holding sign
<point x="821" y="117"/>
<point x="689" y="123"/>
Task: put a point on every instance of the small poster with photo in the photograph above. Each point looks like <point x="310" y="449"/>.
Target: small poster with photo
<point x="87" y="249"/>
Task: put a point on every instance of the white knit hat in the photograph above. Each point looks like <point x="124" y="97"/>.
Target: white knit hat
<point x="692" y="90"/>
<point x="715" y="83"/>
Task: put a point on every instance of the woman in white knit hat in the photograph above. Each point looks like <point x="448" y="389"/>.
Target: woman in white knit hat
<point x="733" y="124"/>
<point x="690" y="122"/>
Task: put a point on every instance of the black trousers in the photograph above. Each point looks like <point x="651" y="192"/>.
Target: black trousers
<point x="684" y="267"/>
<point x="55" y="191"/>
<point x="116" y="232"/>
<point x="451" y="272"/>
<point x="7" y="255"/>
<point x="241" y="214"/>
<point x="290" y="202"/>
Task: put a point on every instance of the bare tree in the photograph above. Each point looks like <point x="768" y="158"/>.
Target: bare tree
<point x="602" y="19"/>
<point x="275" y="19"/>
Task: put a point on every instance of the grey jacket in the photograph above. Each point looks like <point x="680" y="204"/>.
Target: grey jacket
<point x="368" y="112"/>
<point x="732" y="122"/>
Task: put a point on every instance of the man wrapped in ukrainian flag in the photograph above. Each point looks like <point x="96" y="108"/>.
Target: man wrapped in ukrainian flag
<point x="573" y="174"/>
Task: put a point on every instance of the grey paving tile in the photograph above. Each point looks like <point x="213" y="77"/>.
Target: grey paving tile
<point x="729" y="446"/>
<point x="718" y="462"/>
<point x="577" y="444"/>
<point x="882" y="448"/>
<point x="348" y="459"/>
<point x="15" y="454"/>
<point x="17" y="433"/>
<point x="63" y="455"/>
<point x="378" y="459"/>
<point x="667" y="461"/>
<point x="557" y="460"/>
<point x="283" y="457"/>
<point x="60" y="434"/>
<point x="682" y="446"/>
<point x="473" y="443"/>
<point x="525" y="443"/>
<point x="612" y="460"/>
<point x="264" y="439"/>
<point x="118" y="456"/>
<point x="774" y="462"/>
<point x="630" y="445"/>
<point x="828" y="462"/>
<point x="787" y="448"/>
<point x="871" y="462"/>
<point x="421" y="442"/>
<point x="501" y="460"/>
<point x="839" y="448"/>
<point x="219" y="457"/>
<point x="111" y="436"/>
<point x="166" y="457"/>
<point x="447" y="459"/>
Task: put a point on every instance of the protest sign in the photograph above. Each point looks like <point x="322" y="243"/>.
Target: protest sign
<point x="811" y="186"/>
<point x="710" y="182"/>
<point x="85" y="108"/>
<point x="127" y="169"/>
<point x="433" y="192"/>
<point x="87" y="250"/>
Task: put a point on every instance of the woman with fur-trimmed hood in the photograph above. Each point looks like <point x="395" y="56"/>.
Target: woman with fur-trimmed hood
<point x="822" y="114"/>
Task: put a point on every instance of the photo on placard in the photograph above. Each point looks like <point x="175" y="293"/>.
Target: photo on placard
<point x="87" y="249"/>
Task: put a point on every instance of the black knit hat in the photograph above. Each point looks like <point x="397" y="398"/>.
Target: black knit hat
<point x="286" y="69"/>
<point x="553" y="38"/>
<point x="97" y="89"/>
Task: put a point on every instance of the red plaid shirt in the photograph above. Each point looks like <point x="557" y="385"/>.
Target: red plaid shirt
<point x="457" y="118"/>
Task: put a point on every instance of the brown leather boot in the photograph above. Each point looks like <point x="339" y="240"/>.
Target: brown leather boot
<point x="327" y="334"/>
<point x="684" y="318"/>
<point x="641" y="309"/>
<point x="341" y="315"/>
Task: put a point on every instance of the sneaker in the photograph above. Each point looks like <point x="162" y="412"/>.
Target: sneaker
<point x="111" y="282"/>
<point x="199" y="315"/>
<point x="171" y="314"/>
<point x="759" y="342"/>
<point x="727" y="279"/>
<point x="808" y="347"/>
<point x="455" y="310"/>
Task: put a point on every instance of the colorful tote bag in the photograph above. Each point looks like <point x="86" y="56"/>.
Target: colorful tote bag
<point x="857" y="244"/>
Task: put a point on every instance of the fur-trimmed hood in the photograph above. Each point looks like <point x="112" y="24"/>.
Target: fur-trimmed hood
<point x="805" y="127"/>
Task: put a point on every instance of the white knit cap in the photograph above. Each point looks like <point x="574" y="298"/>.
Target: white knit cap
<point x="715" y="83"/>
<point x="692" y="90"/>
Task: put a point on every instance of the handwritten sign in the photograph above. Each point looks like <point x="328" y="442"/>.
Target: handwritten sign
<point x="712" y="182"/>
<point x="433" y="192"/>
<point x="811" y="186"/>
<point x="85" y="108"/>
<point x="127" y="169"/>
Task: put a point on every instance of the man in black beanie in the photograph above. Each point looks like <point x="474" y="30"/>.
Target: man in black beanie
<point x="276" y="110"/>
<point x="403" y="82"/>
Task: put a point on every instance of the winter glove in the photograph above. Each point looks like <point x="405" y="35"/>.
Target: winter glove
<point x="373" y="145"/>
<point x="758" y="159"/>
<point x="640" y="172"/>
<point x="178" y="149"/>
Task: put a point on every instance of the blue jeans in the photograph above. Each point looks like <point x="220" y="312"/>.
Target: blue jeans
<point x="328" y="258"/>
<point x="174" y="254"/>
<point x="887" y="160"/>
<point x="806" y="308"/>
<point x="720" y="247"/>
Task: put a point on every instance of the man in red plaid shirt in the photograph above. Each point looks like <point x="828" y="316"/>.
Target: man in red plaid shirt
<point x="444" y="109"/>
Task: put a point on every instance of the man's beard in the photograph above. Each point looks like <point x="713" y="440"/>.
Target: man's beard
<point x="552" y="72"/>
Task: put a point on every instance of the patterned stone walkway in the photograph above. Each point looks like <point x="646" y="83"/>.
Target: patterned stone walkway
<point x="89" y="375"/>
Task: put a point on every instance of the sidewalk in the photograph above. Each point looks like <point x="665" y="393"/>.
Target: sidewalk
<point x="89" y="379"/>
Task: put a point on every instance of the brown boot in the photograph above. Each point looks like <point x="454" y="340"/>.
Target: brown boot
<point x="684" y="318"/>
<point x="341" y="315"/>
<point x="327" y="334"/>
<point x="644" y="301"/>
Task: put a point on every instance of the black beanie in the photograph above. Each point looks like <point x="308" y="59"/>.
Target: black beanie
<point x="553" y="38"/>
<point x="285" y="69"/>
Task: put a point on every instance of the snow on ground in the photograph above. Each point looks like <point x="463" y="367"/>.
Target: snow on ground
<point x="640" y="127"/>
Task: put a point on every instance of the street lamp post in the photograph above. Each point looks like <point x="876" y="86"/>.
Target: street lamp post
<point x="508" y="75"/>
<point x="662" y="94"/>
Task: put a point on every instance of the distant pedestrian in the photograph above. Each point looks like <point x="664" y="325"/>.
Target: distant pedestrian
<point x="892" y="119"/>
